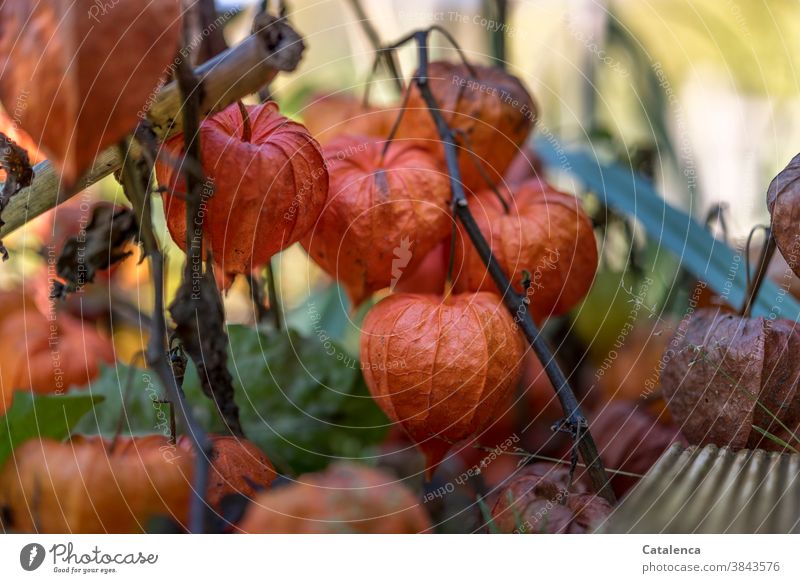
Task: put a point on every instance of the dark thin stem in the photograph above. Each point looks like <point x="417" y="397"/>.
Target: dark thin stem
<point x="482" y="171"/>
<point x="257" y="296"/>
<point x="449" y="37"/>
<point x="387" y="55"/>
<point x="173" y="436"/>
<point x="396" y="123"/>
<point x="754" y="285"/>
<point x="272" y="290"/>
<point x="451" y="260"/>
<point x="190" y="90"/>
<point x="717" y="213"/>
<point x="575" y="421"/>
<point x="133" y="183"/>
<point x="499" y="32"/>
<point x="213" y="42"/>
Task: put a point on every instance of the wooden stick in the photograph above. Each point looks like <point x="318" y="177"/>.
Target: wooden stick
<point x="237" y="72"/>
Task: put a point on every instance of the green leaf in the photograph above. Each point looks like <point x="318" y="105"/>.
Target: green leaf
<point x="33" y="415"/>
<point x="707" y="258"/>
<point x="141" y="414"/>
<point x="302" y="399"/>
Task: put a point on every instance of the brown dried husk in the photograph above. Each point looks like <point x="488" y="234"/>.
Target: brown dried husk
<point x="725" y="375"/>
<point x="383" y="215"/>
<point x="492" y="108"/>
<point x="345" y="498"/>
<point x="442" y="369"/>
<point x="783" y="202"/>
<point x="538" y="501"/>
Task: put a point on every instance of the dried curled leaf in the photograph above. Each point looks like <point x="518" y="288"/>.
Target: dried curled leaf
<point x="783" y="202"/>
<point x="345" y="498"/>
<point x="78" y="74"/>
<point x="384" y="213"/>
<point x="104" y="242"/>
<point x="442" y="369"/>
<point x="729" y="380"/>
<point x="539" y="501"/>
<point x="199" y="318"/>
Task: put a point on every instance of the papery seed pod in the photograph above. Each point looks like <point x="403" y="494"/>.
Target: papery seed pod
<point x="345" y="498"/>
<point x="544" y="233"/>
<point x="90" y="485"/>
<point x="383" y="215"/>
<point x="77" y="76"/>
<point x="728" y="380"/>
<point x="336" y="114"/>
<point x="460" y="362"/>
<point x="783" y="202"/>
<point x="266" y="185"/>
<point x="45" y="355"/>
<point x="491" y="108"/>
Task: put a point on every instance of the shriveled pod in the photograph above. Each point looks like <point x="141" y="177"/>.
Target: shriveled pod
<point x="488" y="108"/>
<point x="267" y="184"/>
<point x="345" y="498"/>
<point x="539" y="501"/>
<point x="90" y="485"/>
<point x="335" y="114"/>
<point x="237" y="467"/>
<point x="545" y="233"/>
<point x="783" y="202"/>
<point x="631" y="439"/>
<point x="385" y="212"/>
<point x="441" y="369"/>
<point x="734" y="381"/>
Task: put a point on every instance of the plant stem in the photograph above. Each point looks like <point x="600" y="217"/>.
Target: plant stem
<point x="133" y="183"/>
<point x="754" y="285"/>
<point x="274" y="301"/>
<point x="389" y="57"/>
<point x="516" y="304"/>
<point x="237" y="72"/>
<point x="247" y="130"/>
